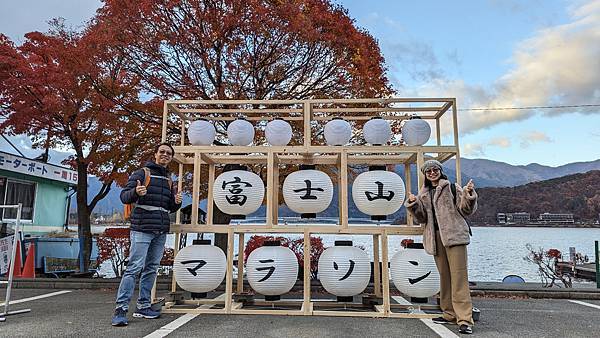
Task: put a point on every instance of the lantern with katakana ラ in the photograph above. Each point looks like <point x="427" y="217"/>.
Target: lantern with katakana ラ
<point x="378" y="192"/>
<point x="238" y="192"/>
<point x="414" y="272"/>
<point x="272" y="270"/>
<point x="344" y="270"/>
<point x="240" y="132"/>
<point x="377" y="131"/>
<point x="201" y="133"/>
<point x="278" y="132"/>
<point x="199" y="268"/>
<point x="307" y="191"/>
<point x="416" y="131"/>
<point x="337" y="132"/>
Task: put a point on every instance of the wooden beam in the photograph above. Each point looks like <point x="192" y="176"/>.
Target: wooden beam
<point x="229" y="273"/>
<point x="385" y="275"/>
<point x="209" y="198"/>
<point x="196" y="189"/>
<point x="420" y="176"/>
<point x="307" y="117"/>
<point x="164" y="122"/>
<point x="240" y="264"/>
<point x="408" y="179"/>
<point x="455" y="125"/>
<point x="376" y="267"/>
<point x="306" y="306"/>
<point x="269" y="194"/>
<point x="343" y="189"/>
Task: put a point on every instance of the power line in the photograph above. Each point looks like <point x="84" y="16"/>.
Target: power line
<point x="534" y="107"/>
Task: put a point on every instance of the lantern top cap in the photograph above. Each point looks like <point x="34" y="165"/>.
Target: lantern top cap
<point x="343" y="243"/>
<point x="273" y="243"/>
<point x="415" y="246"/>
<point x="201" y="242"/>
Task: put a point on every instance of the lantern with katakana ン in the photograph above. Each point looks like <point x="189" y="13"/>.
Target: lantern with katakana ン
<point x="414" y="272"/>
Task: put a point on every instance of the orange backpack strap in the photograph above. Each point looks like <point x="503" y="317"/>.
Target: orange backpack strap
<point x="146" y="176"/>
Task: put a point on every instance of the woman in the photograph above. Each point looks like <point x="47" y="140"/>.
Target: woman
<point x="446" y="236"/>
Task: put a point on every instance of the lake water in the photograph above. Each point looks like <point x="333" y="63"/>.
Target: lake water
<point x="493" y="253"/>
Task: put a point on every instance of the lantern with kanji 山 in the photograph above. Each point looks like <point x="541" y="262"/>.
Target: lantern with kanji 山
<point x="272" y="270"/>
<point x="201" y="133"/>
<point x="416" y="132"/>
<point x="414" y="272"/>
<point x="337" y="132"/>
<point x="278" y="132"/>
<point x="378" y="192"/>
<point x="199" y="268"/>
<point x="307" y="191"/>
<point x="238" y="192"/>
<point x="344" y="270"/>
<point x="240" y="132"/>
<point x="377" y="131"/>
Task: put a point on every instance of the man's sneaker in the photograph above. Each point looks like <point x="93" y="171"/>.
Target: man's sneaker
<point x="120" y="317"/>
<point x="465" y="329"/>
<point x="442" y="320"/>
<point x="146" y="313"/>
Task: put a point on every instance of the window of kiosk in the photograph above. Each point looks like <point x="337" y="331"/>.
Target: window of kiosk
<point x="14" y="192"/>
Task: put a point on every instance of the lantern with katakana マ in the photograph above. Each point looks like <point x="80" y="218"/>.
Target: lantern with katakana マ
<point x="344" y="270"/>
<point x="199" y="268"/>
<point x="307" y="191"/>
<point x="272" y="270"/>
<point x="238" y="192"/>
<point x="378" y="192"/>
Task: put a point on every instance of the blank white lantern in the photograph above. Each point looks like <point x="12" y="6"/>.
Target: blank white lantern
<point x="414" y="272"/>
<point x="278" y="132"/>
<point x="240" y="132"/>
<point x="337" y="132"/>
<point x="201" y="133"/>
<point x="378" y="192"/>
<point x="199" y="268"/>
<point x="416" y="132"/>
<point x="307" y="191"/>
<point x="344" y="270"/>
<point x="377" y="131"/>
<point x="238" y="192"/>
<point x="272" y="270"/>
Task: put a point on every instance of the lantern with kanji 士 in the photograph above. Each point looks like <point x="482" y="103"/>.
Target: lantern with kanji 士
<point x="378" y="192"/>
<point x="199" y="268"/>
<point x="307" y="191"/>
<point x="272" y="270"/>
<point x="238" y="192"/>
<point x="344" y="270"/>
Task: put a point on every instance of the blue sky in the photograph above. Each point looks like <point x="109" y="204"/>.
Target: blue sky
<point x="487" y="54"/>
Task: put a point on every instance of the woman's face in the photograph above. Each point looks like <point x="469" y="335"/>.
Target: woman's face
<point x="433" y="174"/>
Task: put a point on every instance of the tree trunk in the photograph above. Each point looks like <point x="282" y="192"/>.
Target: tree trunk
<point x="83" y="217"/>
<point x="220" y="217"/>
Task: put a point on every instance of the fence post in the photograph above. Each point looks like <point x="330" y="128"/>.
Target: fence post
<point x="597" y="252"/>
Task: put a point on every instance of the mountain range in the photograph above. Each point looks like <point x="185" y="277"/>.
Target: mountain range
<point x="485" y="173"/>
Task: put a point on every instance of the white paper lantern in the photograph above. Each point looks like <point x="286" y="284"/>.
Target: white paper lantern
<point x="337" y="132"/>
<point x="344" y="270"/>
<point x="378" y="192"/>
<point x="377" y="131"/>
<point x="278" y="132"/>
<point x="240" y="132"/>
<point x="272" y="269"/>
<point x="199" y="268"/>
<point x="416" y="132"/>
<point x="201" y="133"/>
<point x="307" y="191"/>
<point x="238" y="192"/>
<point x="414" y="272"/>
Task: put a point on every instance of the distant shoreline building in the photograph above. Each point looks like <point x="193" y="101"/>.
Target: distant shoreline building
<point x="556" y="218"/>
<point x="513" y="218"/>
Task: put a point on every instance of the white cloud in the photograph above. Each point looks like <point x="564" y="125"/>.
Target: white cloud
<point x="502" y="142"/>
<point x="472" y="150"/>
<point x="534" y="137"/>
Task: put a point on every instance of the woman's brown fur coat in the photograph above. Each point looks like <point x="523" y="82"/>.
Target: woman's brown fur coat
<point x="453" y="228"/>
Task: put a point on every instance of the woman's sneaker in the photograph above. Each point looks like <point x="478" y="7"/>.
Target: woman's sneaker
<point x="442" y="320"/>
<point x="120" y="317"/>
<point x="465" y="329"/>
<point x="146" y="313"/>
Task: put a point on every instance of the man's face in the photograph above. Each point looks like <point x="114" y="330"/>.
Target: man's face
<point x="163" y="155"/>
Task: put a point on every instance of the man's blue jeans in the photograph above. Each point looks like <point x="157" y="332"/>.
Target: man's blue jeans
<point x="144" y="255"/>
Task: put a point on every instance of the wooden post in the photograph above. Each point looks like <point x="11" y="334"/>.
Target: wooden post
<point x="240" y="265"/>
<point x="597" y="265"/>
<point x="195" y="189"/>
<point x="306" y="300"/>
<point x="229" y="276"/>
<point x="455" y="125"/>
<point x="376" y="268"/>
<point x="343" y="189"/>
<point x="307" y="117"/>
<point x="438" y="133"/>
<point x="385" y="274"/>
<point x="408" y="177"/>
<point x="209" y="198"/>
<point x="164" y="122"/>
<point x="420" y="176"/>
<point x="269" y="208"/>
<point x="275" y="191"/>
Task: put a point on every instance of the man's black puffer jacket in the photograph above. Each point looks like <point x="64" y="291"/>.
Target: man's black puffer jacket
<point x="159" y="194"/>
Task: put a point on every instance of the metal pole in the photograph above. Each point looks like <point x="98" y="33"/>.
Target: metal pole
<point x="597" y="265"/>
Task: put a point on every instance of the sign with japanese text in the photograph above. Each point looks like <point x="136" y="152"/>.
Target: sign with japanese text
<point x="36" y="168"/>
<point x="5" y="251"/>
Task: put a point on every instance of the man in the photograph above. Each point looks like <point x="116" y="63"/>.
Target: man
<point x="149" y="228"/>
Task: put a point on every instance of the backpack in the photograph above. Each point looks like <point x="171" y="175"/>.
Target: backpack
<point x="128" y="208"/>
<point x="453" y="189"/>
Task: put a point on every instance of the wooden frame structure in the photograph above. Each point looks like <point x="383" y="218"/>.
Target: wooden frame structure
<point x="305" y="116"/>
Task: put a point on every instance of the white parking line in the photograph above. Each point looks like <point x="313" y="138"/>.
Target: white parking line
<point x="584" y="303"/>
<point x="179" y="322"/>
<point x="23" y="300"/>
<point x="440" y="329"/>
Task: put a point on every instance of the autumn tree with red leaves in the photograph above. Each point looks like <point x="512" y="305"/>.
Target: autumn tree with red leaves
<point x="66" y="89"/>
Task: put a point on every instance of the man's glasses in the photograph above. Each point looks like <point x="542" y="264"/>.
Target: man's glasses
<point x="432" y="171"/>
<point x="165" y="152"/>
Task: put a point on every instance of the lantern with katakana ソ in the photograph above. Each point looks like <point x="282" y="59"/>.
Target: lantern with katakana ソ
<point x="344" y="270"/>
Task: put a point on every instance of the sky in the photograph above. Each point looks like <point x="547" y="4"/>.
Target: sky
<point x="488" y="54"/>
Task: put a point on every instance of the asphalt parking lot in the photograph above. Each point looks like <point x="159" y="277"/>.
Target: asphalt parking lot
<point x="87" y="313"/>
